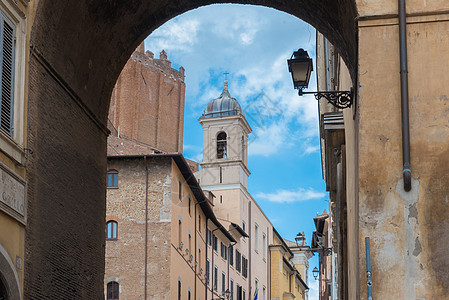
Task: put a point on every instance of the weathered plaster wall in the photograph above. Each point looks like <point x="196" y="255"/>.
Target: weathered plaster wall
<point x="408" y="231"/>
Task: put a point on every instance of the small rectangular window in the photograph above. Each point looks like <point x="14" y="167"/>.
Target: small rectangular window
<point x="112" y="180"/>
<point x="264" y="246"/>
<point x="208" y="272"/>
<point x="256" y="238"/>
<point x="199" y="222"/>
<point x="216" y="278"/>
<point x="238" y="258"/>
<point x="231" y="255"/>
<point x="209" y="237"/>
<point x="223" y="282"/>
<point x="244" y="267"/>
<point x="215" y="242"/>
<point x="180" y="190"/>
<point x="224" y="250"/>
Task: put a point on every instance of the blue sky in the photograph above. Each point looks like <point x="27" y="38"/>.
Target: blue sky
<point x="252" y="44"/>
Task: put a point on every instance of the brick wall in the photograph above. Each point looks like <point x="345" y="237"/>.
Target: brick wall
<point x="147" y="103"/>
<point x="125" y="257"/>
<point x="66" y="167"/>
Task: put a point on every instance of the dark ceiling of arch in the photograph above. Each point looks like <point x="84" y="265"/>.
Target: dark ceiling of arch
<point x="87" y="42"/>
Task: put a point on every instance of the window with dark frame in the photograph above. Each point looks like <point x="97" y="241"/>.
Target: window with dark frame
<point x="208" y="272"/>
<point x="111" y="230"/>
<point x="209" y="237"/>
<point x="223" y="282"/>
<point x="244" y="267"/>
<point x="224" y="251"/>
<point x="215" y="278"/>
<point x="238" y="259"/>
<point x="7" y="66"/>
<point x="231" y="255"/>
<point x="232" y="290"/>
<point x="179" y="289"/>
<point x="180" y="190"/>
<point x="112" y="179"/>
<point x="215" y="242"/>
<point x="113" y="290"/>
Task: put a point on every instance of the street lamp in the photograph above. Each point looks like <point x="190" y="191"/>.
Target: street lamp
<point x="315" y="273"/>
<point x="300" y="239"/>
<point x="227" y="294"/>
<point x="300" y="65"/>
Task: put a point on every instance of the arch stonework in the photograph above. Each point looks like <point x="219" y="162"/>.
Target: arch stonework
<point x="78" y="49"/>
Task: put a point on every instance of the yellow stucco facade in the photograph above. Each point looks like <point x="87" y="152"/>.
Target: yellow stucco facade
<point x="286" y="281"/>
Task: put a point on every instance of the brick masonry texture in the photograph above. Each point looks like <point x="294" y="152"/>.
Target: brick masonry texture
<point x="125" y="257"/>
<point x="147" y="103"/>
<point x="65" y="194"/>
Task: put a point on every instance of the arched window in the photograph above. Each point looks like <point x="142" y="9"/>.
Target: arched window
<point x="111" y="230"/>
<point x="113" y="291"/>
<point x="179" y="288"/>
<point x="221" y="145"/>
<point x="112" y="179"/>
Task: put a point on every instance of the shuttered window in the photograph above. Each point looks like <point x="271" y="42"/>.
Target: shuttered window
<point x="7" y="50"/>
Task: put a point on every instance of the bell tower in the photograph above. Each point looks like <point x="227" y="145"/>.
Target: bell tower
<point x="225" y="143"/>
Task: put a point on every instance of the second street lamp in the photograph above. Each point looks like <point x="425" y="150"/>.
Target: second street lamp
<point x="300" y="65"/>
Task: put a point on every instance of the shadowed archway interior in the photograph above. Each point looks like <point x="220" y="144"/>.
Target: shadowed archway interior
<point x="78" y="49"/>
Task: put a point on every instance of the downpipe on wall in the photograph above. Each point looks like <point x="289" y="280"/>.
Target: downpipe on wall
<point x="406" y="172"/>
<point x="369" y="283"/>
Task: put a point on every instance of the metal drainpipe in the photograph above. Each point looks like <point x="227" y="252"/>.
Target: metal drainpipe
<point x="406" y="172"/>
<point x="146" y="225"/>
<point x="369" y="282"/>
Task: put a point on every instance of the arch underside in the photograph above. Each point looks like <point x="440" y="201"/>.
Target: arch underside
<point x="78" y="51"/>
<point x="89" y="42"/>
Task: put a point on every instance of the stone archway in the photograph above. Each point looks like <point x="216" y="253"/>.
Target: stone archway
<point x="9" y="280"/>
<point x="78" y="51"/>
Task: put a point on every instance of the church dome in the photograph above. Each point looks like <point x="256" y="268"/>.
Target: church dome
<point x="223" y="106"/>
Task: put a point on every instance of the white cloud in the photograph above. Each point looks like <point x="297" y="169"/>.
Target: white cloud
<point x="286" y="196"/>
<point x="312" y="149"/>
<point x="313" y="289"/>
<point x="179" y="34"/>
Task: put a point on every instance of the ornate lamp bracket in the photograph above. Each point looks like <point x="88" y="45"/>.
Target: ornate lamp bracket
<point x="339" y="99"/>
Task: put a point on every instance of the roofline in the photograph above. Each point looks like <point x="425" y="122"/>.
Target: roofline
<point x="197" y="191"/>
<point x="282" y="241"/>
<point x="239" y="229"/>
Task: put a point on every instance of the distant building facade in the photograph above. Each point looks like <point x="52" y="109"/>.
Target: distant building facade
<point x="147" y="103"/>
<point x="224" y="172"/>
<point x="288" y="268"/>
